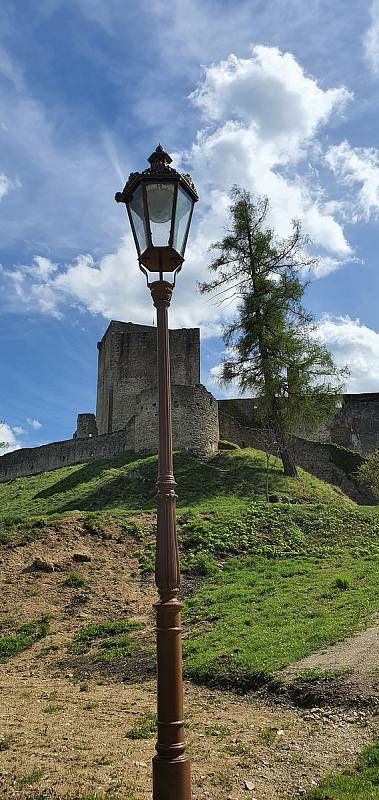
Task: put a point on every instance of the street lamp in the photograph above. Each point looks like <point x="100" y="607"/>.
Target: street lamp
<point x="159" y="203"/>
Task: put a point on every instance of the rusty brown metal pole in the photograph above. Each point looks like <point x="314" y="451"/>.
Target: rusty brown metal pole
<point x="171" y="765"/>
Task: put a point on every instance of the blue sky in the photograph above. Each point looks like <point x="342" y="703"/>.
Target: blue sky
<point x="279" y="97"/>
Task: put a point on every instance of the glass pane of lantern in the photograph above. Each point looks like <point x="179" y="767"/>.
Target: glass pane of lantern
<point x="183" y="212"/>
<point x="138" y="217"/>
<point x="160" y="198"/>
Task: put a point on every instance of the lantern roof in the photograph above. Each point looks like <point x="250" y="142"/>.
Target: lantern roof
<point x="159" y="170"/>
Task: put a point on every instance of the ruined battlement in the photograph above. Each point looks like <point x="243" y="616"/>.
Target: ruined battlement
<point x="126" y="416"/>
<point x="128" y="365"/>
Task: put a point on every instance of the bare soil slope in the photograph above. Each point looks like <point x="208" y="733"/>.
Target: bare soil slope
<point x="65" y="718"/>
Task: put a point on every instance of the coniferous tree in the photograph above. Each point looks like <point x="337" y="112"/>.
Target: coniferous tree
<point x="274" y="353"/>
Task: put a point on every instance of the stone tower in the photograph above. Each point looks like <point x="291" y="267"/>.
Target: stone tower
<point x="128" y="365"/>
<point x="127" y="396"/>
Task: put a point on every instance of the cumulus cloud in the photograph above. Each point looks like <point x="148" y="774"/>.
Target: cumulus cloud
<point x="115" y="288"/>
<point x="357" y="166"/>
<point x="353" y="344"/>
<point x="371" y="39"/>
<point x="270" y="90"/>
<point x="5" y="185"/>
<point x="34" y="423"/>
<point x="264" y="115"/>
<point x="18" y="430"/>
<point x="264" y="118"/>
<point x="8" y="439"/>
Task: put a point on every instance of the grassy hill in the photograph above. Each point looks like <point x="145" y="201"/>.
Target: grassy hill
<point x="232" y="478"/>
<point x="290" y="556"/>
<point x="274" y="569"/>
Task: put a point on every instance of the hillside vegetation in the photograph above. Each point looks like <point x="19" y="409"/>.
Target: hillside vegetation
<point x="234" y="477"/>
<point x="281" y="578"/>
<point x="267" y="581"/>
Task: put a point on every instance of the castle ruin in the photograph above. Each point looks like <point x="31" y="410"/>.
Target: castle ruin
<point x="126" y="416"/>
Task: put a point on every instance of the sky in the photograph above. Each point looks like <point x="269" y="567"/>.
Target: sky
<point x="278" y="96"/>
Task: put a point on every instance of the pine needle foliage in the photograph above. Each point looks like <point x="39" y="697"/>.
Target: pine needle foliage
<point x="273" y="350"/>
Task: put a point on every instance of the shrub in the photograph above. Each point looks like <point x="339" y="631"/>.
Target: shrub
<point x="368" y="472"/>
<point x="74" y="580"/>
<point x="342" y="582"/>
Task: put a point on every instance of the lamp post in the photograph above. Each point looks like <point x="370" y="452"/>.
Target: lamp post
<point x="160" y="203"/>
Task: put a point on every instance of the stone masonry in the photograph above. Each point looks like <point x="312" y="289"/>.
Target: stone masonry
<point x="128" y="366"/>
<point x="126" y="417"/>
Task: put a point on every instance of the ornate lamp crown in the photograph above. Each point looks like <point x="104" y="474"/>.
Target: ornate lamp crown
<point x="159" y="166"/>
<point x="159" y="202"/>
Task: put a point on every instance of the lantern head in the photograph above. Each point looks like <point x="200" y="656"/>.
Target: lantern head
<point x="160" y="203"/>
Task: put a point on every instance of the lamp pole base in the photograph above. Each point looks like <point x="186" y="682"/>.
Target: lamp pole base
<point x="171" y="779"/>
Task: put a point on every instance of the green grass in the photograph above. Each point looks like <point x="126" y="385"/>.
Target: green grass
<point x="260" y="615"/>
<point x="5" y="743"/>
<point x="144" y="728"/>
<point x="108" y="641"/>
<point x="74" y="580"/>
<point x="128" y="482"/>
<point x="359" y="783"/>
<point x="52" y="709"/>
<point x="31" y="777"/>
<point x="321" y="675"/>
<point x="281" y="579"/>
<point x="271" y="530"/>
<point x="24" y="636"/>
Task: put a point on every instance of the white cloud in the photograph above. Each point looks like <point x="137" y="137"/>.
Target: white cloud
<point x="269" y="113"/>
<point x="34" y="423"/>
<point x="357" y="165"/>
<point x="353" y="344"/>
<point x="7" y="436"/>
<point x="18" y="430"/>
<point x="371" y="39"/>
<point x="10" y="70"/>
<point x="5" y="185"/>
<point x="271" y="91"/>
<point x="59" y="155"/>
<point x="265" y="116"/>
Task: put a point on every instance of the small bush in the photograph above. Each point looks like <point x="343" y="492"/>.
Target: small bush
<point x="5" y="743"/>
<point x="74" y="580"/>
<point x="368" y="472"/>
<point x="24" y="637"/>
<point x="144" y="728"/>
<point x="342" y="582"/>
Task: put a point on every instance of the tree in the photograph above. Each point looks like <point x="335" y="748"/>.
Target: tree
<point x="272" y="346"/>
<point x="368" y="473"/>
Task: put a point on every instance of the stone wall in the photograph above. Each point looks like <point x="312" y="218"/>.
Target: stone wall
<point x="357" y="423"/>
<point x="195" y="424"/>
<point x="315" y="457"/>
<point x="355" y="426"/>
<point x="32" y="460"/>
<point x="244" y="410"/>
<point x="195" y="428"/>
<point x="86" y="426"/>
<point x="128" y="365"/>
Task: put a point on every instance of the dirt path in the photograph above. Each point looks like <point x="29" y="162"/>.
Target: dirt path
<point x="345" y="674"/>
<point x="68" y="731"/>
<point x="359" y="653"/>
